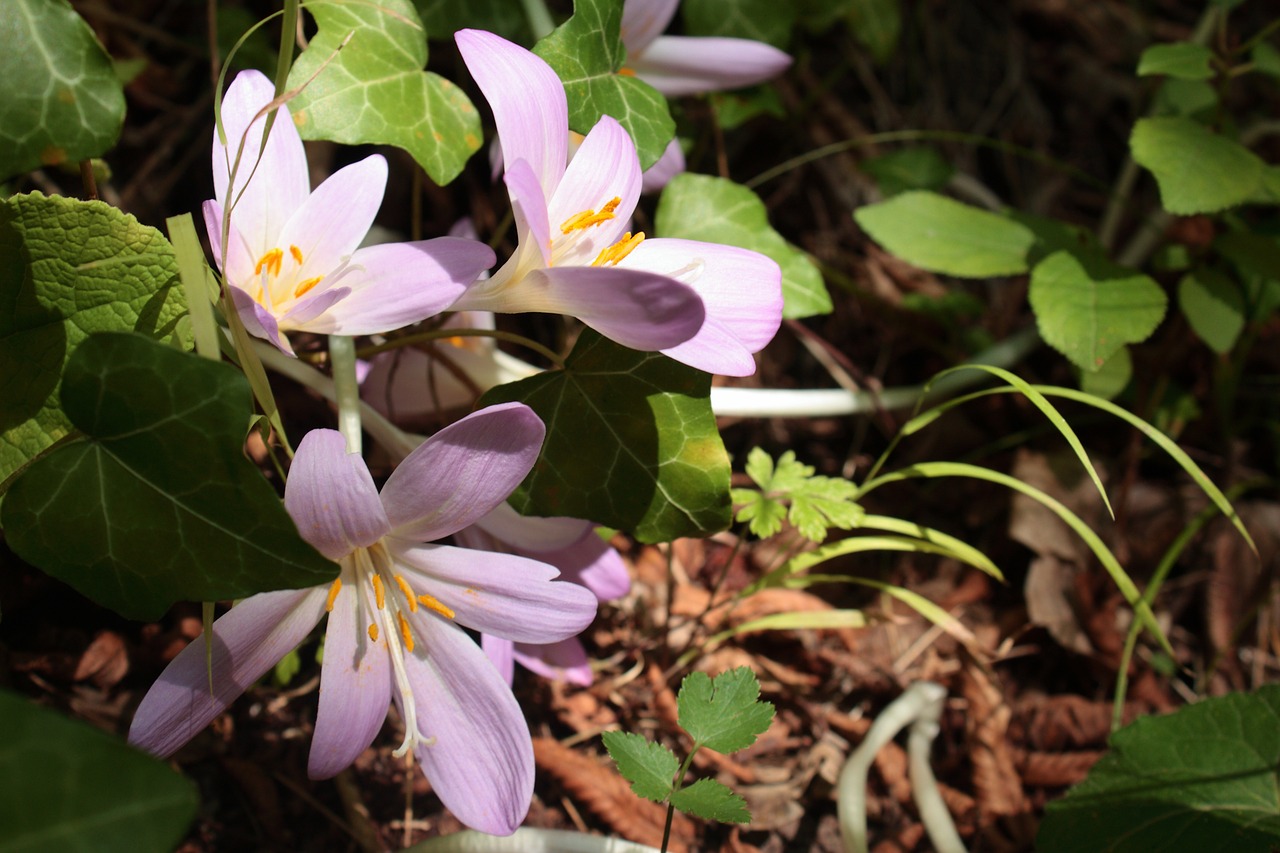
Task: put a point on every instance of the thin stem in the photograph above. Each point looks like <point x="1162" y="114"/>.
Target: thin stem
<point x="666" y="827"/>
<point x="342" y="355"/>
<point x="539" y="18"/>
<point x="528" y="840"/>
<point x="444" y="334"/>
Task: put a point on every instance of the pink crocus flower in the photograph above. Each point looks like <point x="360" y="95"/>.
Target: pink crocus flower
<point x="575" y="256"/>
<point x="395" y="612"/>
<point x="691" y="65"/>
<point x="293" y="260"/>
<point x="570" y="545"/>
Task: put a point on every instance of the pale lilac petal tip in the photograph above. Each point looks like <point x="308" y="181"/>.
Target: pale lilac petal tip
<point x="336" y="217"/>
<point x="670" y="164"/>
<point x="331" y="496"/>
<point x="690" y="65"/>
<point x="644" y="20"/>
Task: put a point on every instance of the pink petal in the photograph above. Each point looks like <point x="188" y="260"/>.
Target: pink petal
<point x="330" y="224"/>
<point x="670" y="164"/>
<point x="240" y="258"/>
<point x="644" y="20"/>
<point x="742" y="292"/>
<point x="331" y="496"/>
<point x="396" y="284"/>
<point x="529" y="207"/>
<point x="355" y="684"/>
<point x="462" y="472"/>
<point x="258" y="320"/>
<point x="605" y="168"/>
<point x="527" y="534"/>
<point x="501" y="653"/>
<point x="247" y="641"/>
<point x="481" y="764"/>
<point x="500" y="594"/>
<point x="563" y="661"/>
<point x="311" y="312"/>
<point x="528" y="103"/>
<point x="687" y="65"/>
<point x="275" y="185"/>
<point x="594" y="563"/>
<point x="410" y="384"/>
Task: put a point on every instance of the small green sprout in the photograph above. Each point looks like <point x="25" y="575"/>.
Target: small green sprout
<point x="816" y="503"/>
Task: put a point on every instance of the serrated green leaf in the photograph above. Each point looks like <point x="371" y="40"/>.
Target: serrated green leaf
<point x="716" y="210"/>
<point x="631" y="443"/>
<point x="725" y="714"/>
<point x="942" y="235"/>
<point x="759" y="466"/>
<point x="919" y="167"/>
<point x="649" y="767"/>
<point x="823" y="503"/>
<point x="877" y="24"/>
<point x="758" y="20"/>
<point x="71" y="268"/>
<point x="711" y="800"/>
<point x="1183" y="60"/>
<point x="442" y="18"/>
<point x="375" y="92"/>
<point x="1214" y="307"/>
<point x="1197" y="170"/>
<point x="763" y="514"/>
<point x="1088" y="308"/>
<point x="62" y="101"/>
<point x="156" y="502"/>
<point x="68" y="786"/>
<point x="586" y="53"/>
<point x="1203" y="778"/>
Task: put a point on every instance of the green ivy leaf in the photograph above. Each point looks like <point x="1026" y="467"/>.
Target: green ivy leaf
<point x="916" y="168"/>
<point x="725" y="714"/>
<point x="375" y="91"/>
<point x="65" y="785"/>
<point x="1203" y="778"/>
<point x="1182" y="60"/>
<point x="157" y="502"/>
<point x="1087" y="307"/>
<point x="631" y="443"/>
<point x="942" y="235"/>
<point x="759" y="20"/>
<point x="1197" y="170"/>
<point x="711" y="800"/>
<point x="648" y="766"/>
<point x="586" y="52"/>
<point x="71" y="268"/>
<point x="1214" y="307"/>
<point x="716" y="210"/>
<point x="62" y="101"/>
<point x="443" y="18"/>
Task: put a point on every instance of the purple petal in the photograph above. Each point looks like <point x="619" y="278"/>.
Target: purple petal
<point x="240" y="258"/>
<point x="644" y="20"/>
<point x="604" y="168"/>
<point x="531" y="535"/>
<point x="689" y="65"/>
<point x="395" y="284"/>
<point x="247" y="641"/>
<point x="275" y="185"/>
<point x="594" y="563"/>
<point x="511" y="597"/>
<point x="258" y="320"/>
<point x="310" y="313"/>
<point x="462" y="472"/>
<point x="481" y="764"/>
<point x="334" y="219"/>
<point x="670" y="164"/>
<point x="355" y="684"/>
<point x="742" y="292"/>
<point x="331" y="496"/>
<point x="528" y="103"/>
<point x="563" y="661"/>
<point x="501" y="653"/>
<point x="529" y="207"/>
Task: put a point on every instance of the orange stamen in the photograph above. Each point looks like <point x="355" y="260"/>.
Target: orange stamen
<point x="408" y="593"/>
<point x="618" y="250"/>
<point x="306" y="285"/>
<point x="405" y="633"/>
<point x="378" y="593"/>
<point x="271" y="262"/>
<point x="333" y="595"/>
<point x="373" y="632"/>
<point x="589" y="217"/>
<point x="432" y="603"/>
<point x="297" y="254"/>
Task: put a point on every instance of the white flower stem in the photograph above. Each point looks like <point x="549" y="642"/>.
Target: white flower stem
<point x="920" y="707"/>
<point x="527" y="840"/>
<point x="539" y="18"/>
<point x="342" y="355"/>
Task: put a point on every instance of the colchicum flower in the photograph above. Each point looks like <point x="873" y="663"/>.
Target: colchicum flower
<point x="293" y="260"/>
<point x="572" y="546"/>
<point x="575" y="256"/>
<point x="395" y="613"/>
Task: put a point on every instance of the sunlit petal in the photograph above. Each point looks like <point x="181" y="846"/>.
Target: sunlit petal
<point x="689" y="65"/>
<point x="331" y="496"/>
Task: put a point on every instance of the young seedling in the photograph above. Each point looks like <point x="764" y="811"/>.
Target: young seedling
<point x="724" y="714"/>
<point x="790" y="490"/>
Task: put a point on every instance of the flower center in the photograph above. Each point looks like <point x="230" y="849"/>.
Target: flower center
<point x="276" y="287"/>
<point x="388" y="623"/>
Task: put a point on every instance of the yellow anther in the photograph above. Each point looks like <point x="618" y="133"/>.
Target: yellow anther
<point x="297" y="254"/>
<point x="432" y="603"/>
<point x="405" y="633"/>
<point x="271" y="262"/>
<point x="378" y="593"/>
<point x="373" y="631"/>
<point x="333" y="594"/>
<point x="611" y="205"/>
<point x="589" y="217"/>
<point x="306" y="285"/>
<point x="618" y="250"/>
<point x="408" y="593"/>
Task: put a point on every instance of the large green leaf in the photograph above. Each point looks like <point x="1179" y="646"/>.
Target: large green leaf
<point x="702" y="207"/>
<point x="1204" y="779"/>
<point x="70" y="268"/>
<point x="1087" y="307"/>
<point x="759" y="20"/>
<point x="940" y="234"/>
<point x="587" y="53"/>
<point x="61" y="99"/>
<point x="375" y="91"/>
<point x="157" y="501"/>
<point x="67" y="786"/>
<point x="1197" y="170"/>
<point x="631" y="443"/>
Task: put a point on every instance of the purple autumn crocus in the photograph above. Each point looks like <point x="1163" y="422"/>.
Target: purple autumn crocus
<point x="395" y="614"/>
<point x="293" y="260"/>
<point x="575" y="255"/>
<point x="572" y="546"/>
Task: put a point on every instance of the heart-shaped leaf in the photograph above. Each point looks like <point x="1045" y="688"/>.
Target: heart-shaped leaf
<point x="1197" y="170"/>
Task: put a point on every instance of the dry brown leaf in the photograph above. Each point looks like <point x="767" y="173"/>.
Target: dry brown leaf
<point x="995" y="778"/>
<point x="105" y="661"/>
